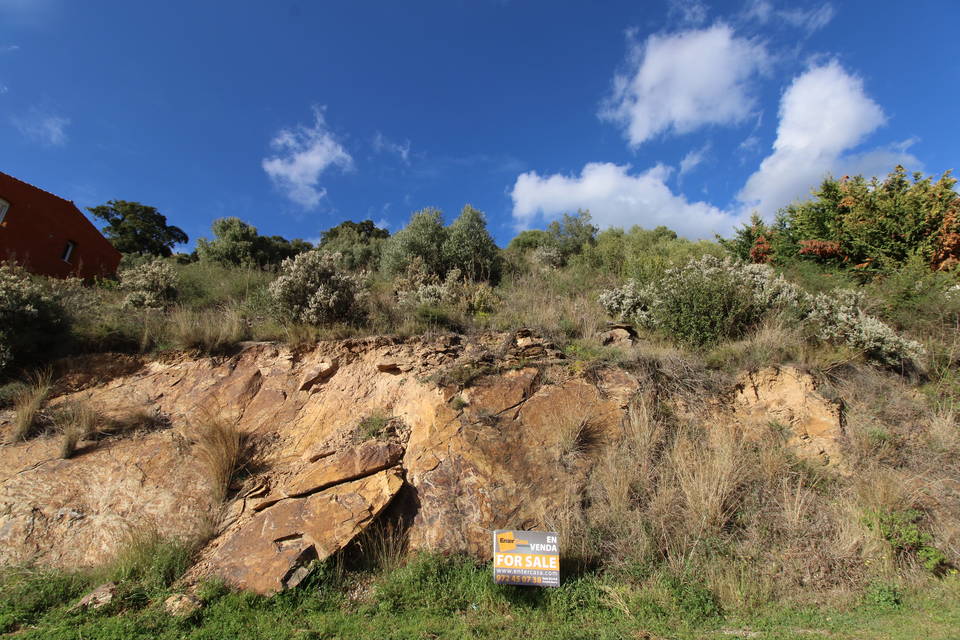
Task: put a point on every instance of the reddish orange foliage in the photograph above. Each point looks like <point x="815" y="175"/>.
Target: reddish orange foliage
<point x="761" y="251"/>
<point x="824" y="249"/>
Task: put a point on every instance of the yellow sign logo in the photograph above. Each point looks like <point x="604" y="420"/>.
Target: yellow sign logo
<point x="507" y="542"/>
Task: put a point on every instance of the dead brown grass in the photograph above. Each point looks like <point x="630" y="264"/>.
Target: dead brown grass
<point x="75" y="421"/>
<point x="28" y="402"/>
<point x="219" y="446"/>
<point x="207" y="330"/>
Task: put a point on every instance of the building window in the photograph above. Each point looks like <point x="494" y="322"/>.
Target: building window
<point x="68" y="251"/>
<point x="4" y="206"/>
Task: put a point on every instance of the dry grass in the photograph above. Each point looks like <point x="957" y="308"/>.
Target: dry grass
<point x="211" y="331"/>
<point x="75" y="421"/>
<point x="220" y="448"/>
<point x="580" y="436"/>
<point x="28" y="402"/>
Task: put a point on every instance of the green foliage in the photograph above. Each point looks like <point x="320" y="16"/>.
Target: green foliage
<point x="137" y="228"/>
<point x="643" y="254"/>
<point x="373" y="426"/>
<point x="903" y="530"/>
<point x="423" y="238"/>
<point x="572" y="233"/>
<point x="238" y="243"/>
<point x="530" y="240"/>
<point x="31" y="318"/>
<point x="744" y="243"/>
<point x="313" y="289"/>
<point x="883" y="595"/>
<point x="871" y="225"/>
<point x="359" y="243"/>
<point x="27" y="594"/>
<point x="692" y="599"/>
<point x="470" y="248"/>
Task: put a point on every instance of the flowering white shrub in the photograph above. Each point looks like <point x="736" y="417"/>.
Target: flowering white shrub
<point x="838" y="318"/>
<point x="29" y="315"/>
<point x="151" y="285"/>
<point x="313" y="289"/>
<point x="710" y="299"/>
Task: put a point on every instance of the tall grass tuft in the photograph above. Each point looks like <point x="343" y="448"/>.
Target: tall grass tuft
<point x="28" y="402"/>
<point x="210" y="331"/>
<point x="74" y="421"/>
<point x="219" y="446"/>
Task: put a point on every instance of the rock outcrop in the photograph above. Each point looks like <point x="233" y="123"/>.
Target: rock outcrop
<point x="491" y="432"/>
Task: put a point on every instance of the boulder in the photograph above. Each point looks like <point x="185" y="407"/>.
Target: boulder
<point x="317" y="373"/>
<point x="99" y="597"/>
<point x="181" y="605"/>
<point x="271" y="551"/>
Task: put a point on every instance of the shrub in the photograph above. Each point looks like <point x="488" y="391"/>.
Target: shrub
<point x="902" y="529"/>
<point x="151" y="285"/>
<point x="838" y="317"/>
<point x="710" y="299"/>
<point x="31" y="318"/>
<point x="313" y="289"/>
<point x="698" y="304"/>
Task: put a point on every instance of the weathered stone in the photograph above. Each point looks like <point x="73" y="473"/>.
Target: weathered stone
<point x="355" y="462"/>
<point x="317" y="373"/>
<point x="99" y="597"/>
<point x="789" y="397"/>
<point x="181" y="605"/>
<point x="618" y="334"/>
<point x="496" y="394"/>
<point x="268" y="553"/>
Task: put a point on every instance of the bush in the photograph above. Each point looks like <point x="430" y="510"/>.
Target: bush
<point x="30" y="317"/>
<point x="709" y="299"/>
<point x="313" y="289"/>
<point x="698" y="304"/>
<point x="151" y="285"/>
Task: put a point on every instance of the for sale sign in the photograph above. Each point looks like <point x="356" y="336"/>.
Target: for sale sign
<point x="529" y="558"/>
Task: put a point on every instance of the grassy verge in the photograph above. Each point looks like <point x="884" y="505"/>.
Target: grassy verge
<point x="437" y="597"/>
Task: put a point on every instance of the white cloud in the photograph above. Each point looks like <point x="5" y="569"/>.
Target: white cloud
<point x="693" y="159"/>
<point x="382" y="223"/>
<point x="808" y="20"/>
<point x="45" y="128"/>
<point x="683" y="81"/>
<point x="303" y="154"/>
<point x="823" y="115"/>
<point x="615" y="197"/>
<point x="382" y="144"/>
<point x="8" y="48"/>
<point x="690" y="12"/>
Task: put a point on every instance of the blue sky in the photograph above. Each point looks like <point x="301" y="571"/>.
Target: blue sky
<point x="296" y="115"/>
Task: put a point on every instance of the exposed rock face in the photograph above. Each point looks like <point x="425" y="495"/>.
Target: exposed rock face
<point x="789" y="397"/>
<point x="270" y="552"/>
<point x="494" y="452"/>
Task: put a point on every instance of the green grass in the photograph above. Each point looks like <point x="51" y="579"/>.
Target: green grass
<point x="453" y="597"/>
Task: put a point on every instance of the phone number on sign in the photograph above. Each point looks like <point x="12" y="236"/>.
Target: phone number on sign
<point x="525" y="579"/>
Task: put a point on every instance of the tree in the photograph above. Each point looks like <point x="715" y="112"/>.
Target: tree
<point x="238" y="243"/>
<point x="137" y="228"/>
<point x="235" y="243"/>
<point x="423" y="237"/>
<point x="573" y="233"/>
<point x="358" y="243"/>
<point x="470" y="248"/>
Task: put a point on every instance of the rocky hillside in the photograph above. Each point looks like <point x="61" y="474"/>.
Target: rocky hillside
<point x="450" y="436"/>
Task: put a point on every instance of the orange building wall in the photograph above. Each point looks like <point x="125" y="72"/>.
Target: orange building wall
<point x="37" y="227"/>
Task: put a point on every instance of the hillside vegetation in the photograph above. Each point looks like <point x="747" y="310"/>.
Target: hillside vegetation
<point x="685" y="528"/>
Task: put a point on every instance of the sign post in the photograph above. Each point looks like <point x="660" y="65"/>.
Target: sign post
<point x="528" y="558"/>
